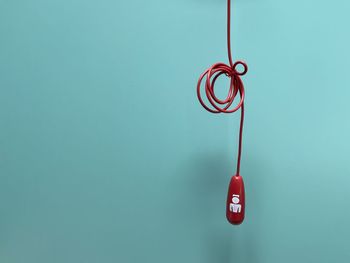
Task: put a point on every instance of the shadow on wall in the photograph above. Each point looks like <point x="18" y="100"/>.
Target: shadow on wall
<point x="208" y="186"/>
<point x="203" y="195"/>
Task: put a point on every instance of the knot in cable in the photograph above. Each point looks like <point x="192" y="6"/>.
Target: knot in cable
<point x="236" y="86"/>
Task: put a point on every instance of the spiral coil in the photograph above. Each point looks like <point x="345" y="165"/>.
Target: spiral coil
<point x="236" y="86"/>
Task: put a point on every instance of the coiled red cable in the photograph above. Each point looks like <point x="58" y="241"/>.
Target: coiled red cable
<point x="236" y="86"/>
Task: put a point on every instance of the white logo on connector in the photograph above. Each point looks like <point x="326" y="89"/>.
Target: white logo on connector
<point x="235" y="207"/>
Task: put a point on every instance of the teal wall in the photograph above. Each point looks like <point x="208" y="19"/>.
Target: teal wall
<point x="106" y="155"/>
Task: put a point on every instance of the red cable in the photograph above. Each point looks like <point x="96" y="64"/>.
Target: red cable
<point x="236" y="86"/>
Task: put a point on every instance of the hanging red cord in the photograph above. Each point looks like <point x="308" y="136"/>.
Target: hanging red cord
<point x="234" y="209"/>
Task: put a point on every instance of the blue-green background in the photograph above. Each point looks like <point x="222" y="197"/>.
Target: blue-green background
<point x="106" y="155"/>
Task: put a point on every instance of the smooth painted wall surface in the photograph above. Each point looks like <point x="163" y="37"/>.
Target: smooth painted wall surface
<point x="106" y="155"/>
